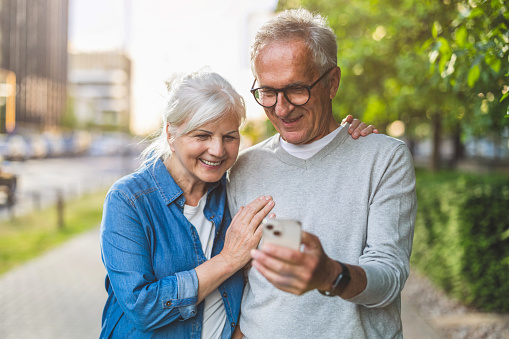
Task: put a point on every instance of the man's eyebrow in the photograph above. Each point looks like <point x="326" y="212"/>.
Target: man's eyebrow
<point x="296" y="83"/>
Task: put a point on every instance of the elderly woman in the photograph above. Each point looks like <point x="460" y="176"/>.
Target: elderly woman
<point x="171" y="250"/>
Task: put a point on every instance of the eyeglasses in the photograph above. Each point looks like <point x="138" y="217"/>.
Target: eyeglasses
<point x="297" y="95"/>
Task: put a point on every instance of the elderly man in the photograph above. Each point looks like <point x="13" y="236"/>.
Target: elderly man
<point x="355" y="199"/>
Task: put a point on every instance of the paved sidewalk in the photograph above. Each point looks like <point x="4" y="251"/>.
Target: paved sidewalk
<point x="61" y="295"/>
<point x="58" y="295"/>
<point x="415" y="326"/>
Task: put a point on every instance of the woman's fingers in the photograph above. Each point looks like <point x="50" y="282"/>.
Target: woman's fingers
<point x="260" y="215"/>
<point x="356" y="127"/>
<point x="244" y="232"/>
<point x="347" y="119"/>
<point x="246" y="214"/>
<point x="368" y="130"/>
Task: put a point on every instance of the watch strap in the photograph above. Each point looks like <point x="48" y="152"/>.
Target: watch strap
<point x="340" y="283"/>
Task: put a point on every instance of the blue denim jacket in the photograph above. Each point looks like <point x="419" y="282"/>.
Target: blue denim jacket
<point x="150" y="251"/>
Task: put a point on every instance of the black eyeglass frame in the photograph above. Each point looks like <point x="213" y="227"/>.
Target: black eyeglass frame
<point x="277" y="90"/>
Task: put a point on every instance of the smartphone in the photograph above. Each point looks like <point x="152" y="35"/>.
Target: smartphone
<point x="282" y="232"/>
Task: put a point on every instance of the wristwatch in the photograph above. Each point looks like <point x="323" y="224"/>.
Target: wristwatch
<point x="340" y="283"/>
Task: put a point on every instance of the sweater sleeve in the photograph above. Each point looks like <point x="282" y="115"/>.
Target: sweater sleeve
<point x="390" y="229"/>
<point x="148" y="302"/>
<point x="230" y="189"/>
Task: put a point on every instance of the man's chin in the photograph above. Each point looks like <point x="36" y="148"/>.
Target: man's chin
<point x="293" y="138"/>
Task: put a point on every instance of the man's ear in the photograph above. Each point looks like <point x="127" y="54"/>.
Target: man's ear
<point x="335" y="77"/>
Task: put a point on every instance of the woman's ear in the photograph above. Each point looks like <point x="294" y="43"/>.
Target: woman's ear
<point x="169" y="137"/>
<point x="168" y="134"/>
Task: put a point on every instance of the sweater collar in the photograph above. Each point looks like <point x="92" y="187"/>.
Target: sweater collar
<point x="289" y="159"/>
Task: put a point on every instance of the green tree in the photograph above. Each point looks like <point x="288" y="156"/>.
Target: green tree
<point x="469" y="54"/>
<point x="69" y="120"/>
<point x="395" y="67"/>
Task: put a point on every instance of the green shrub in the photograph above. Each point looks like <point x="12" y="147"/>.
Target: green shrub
<point x="462" y="236"/>
<point x="31" y="234"/>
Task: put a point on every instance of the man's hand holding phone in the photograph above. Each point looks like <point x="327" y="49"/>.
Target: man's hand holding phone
<point x="292" y="270"/>
<point x="282" y="232"/>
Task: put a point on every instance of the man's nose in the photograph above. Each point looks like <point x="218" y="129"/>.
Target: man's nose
<point x="283" y="107"/>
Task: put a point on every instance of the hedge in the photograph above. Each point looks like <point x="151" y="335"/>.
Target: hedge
<point x="461" y="237"/>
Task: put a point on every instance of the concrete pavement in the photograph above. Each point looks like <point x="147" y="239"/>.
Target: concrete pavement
<point x="61" y="295"/>
<point x="58" y="295"/>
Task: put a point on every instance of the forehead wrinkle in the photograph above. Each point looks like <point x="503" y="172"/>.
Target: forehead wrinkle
<point x="296" y="53"/>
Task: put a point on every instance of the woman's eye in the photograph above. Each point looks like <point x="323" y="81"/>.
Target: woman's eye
<point x="230" y="137"/>
<point x="202" y="136"/>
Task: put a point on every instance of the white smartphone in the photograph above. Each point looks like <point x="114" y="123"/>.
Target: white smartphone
<point x="282" y="232"/>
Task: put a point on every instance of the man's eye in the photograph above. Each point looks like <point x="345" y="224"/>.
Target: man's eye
<point x="267" y="93"/>
<point x="296" y="90"/>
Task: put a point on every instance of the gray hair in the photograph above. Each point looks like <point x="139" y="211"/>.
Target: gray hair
<point x="195" y="99"/>
<point x="300" y="24"/>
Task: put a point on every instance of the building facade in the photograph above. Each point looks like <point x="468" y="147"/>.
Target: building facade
<point x="33" y="41"/>
<point x="100" y="90"/>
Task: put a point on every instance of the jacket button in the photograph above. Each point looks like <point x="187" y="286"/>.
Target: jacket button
<point x="224" y="294"/>
<point x="168" y="303"/>
<point x="233" y="324"/>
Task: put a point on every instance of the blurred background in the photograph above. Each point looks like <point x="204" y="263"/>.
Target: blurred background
<point x="82" y="88"/>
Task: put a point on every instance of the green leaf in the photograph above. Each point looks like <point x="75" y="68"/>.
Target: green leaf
<point x="461" y="36"/>
<point x="473" y="75"/>
<point x="504" y="96"/>
<point x="495" y="4"/>
<point x="476" y="12"/>
<point x="434" y="31"/>
<point x="493" y="62"/>
<point x="445" y="48"/>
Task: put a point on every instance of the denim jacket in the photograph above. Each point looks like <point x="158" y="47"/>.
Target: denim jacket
<point x="150" y="251"/>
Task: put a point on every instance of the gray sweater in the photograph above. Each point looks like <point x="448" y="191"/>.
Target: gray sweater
<point x="358" y="197"/>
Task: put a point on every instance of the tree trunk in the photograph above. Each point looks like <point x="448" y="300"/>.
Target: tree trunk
<point x="437" y="131"/>
<point x="459" y="148"/>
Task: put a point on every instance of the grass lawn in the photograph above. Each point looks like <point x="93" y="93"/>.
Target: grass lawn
<point x="27" y="236"/>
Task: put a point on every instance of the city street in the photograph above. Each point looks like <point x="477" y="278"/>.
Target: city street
<point x="39" y="181"/>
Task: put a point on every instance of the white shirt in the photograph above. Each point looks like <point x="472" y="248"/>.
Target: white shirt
<point x="214" y="315"/>
<point x="308" y="150"/>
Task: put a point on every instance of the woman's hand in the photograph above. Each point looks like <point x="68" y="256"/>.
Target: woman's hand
<point x="243" y="235"/>
<point x="358" y="128"/>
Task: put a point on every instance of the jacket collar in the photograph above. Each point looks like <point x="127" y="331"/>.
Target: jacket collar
<point x="168" y="188"/>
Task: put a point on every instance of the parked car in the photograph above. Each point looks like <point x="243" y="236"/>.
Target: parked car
<point x="77" y="143"/>
<point x="55" y="143"/>
<point x="38" y="147"/>
<point x="14" y="147"/>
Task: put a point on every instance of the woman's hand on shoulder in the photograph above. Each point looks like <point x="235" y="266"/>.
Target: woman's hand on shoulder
<point x="358" y="128"/>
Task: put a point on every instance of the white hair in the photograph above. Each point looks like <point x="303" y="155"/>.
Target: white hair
<point x="195" y="99"/>
<point x="300" y="24"/>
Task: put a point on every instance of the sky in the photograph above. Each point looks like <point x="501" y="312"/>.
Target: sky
<point x="167" y="36"/>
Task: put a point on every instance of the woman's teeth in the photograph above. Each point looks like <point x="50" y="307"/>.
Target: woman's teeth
<point x="210" y="163"/>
